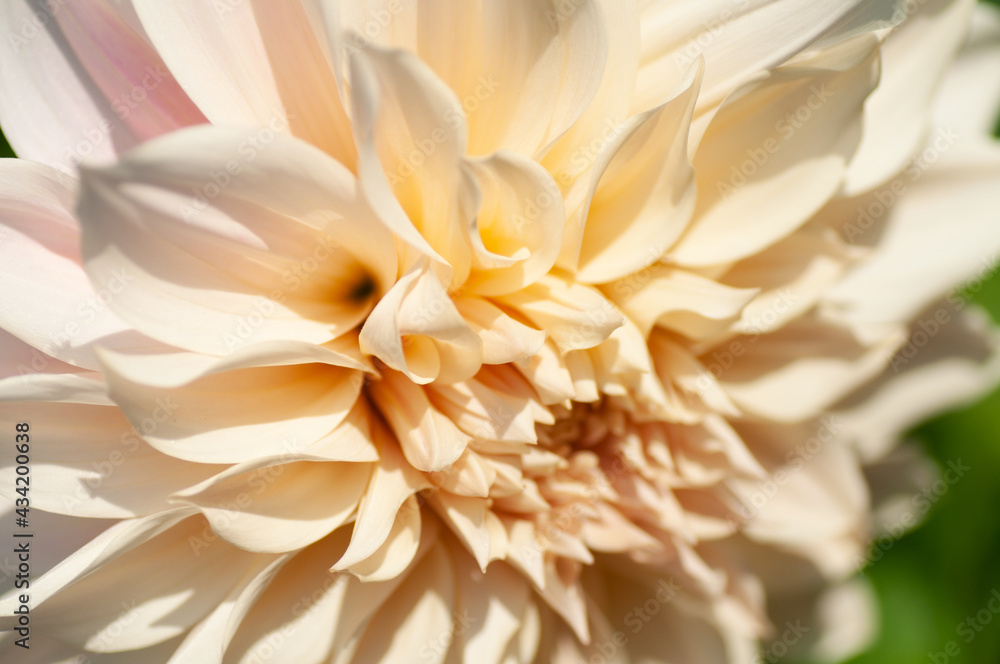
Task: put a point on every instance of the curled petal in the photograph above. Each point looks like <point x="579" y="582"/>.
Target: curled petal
<point x="417" y="330"/>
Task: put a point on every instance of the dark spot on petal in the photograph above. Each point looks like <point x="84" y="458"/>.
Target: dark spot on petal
<point x="363" y="290"/>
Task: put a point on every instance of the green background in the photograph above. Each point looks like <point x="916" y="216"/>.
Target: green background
<point x="944" y="571"/>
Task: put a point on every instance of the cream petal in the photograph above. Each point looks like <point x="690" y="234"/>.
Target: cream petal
<point x="253" y="63"/>
<point x="566" y="597"/>
<point x="392" y="482"/>
<point x="30" y="386"/>
<point x="823" y="496"/>
<point x="409" y="161"/>
<point x="484" y="409"/>
<point x="207" y="254"/>
<point x="572" y="158"/>
<point x="351" y="440"/>
<point x="416" y="329"/>
<point x="130" y="605"/>
<point x="87" y="461"/>
<point x="168" y="369"/>
<point x="956" y="361"/>
<point x="505" y="339"/>
<point x="741" y="40"/>
<point x="419" y="621"/>
<point x="548" y="374"/>
<point x="518" y="228"/>
<point x="40" y="238"/>
<point x="612" y="532"/>
<point x="796" y="372"/>
<point x="678" y="300"/>
<point x="430" y="440"/>
<point x="574" y="315"/>
<point x="794" y="275"/>
<point x="680" y="631"/>
<point x="56" y="538"/>
<point x="509" y="62"/>
<point x="21" y="361"/>
<point x="969" y="98"/>
<point x="642" y="191"/>
<point x="523" y="550"/>
<point x="307" y="612"/>
<point x="467" y="519"/>
<point x="399" y="548"/>
<point x="525" y="646"/>
<point x="141" y="593"/>
<point x="776" y="152"/>
<point x="895" y="117"/>
<point x="489" y="610"/>
<point x="292" y="619"/>
<point x="694" y="389"/>
<point x="918" y="259"/>
<point x="240" y="415"/>
<point x="52" y="651"/>
<point x="471" y="475"/>
<point x="207" y="642"/>
<point x="90" y="60"/>
<point x="106" y="547"/>
<point x="279" y="507"/>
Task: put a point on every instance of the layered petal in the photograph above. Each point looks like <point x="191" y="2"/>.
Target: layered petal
<point x="237" y="260"/>
<point x="92" y="60"/>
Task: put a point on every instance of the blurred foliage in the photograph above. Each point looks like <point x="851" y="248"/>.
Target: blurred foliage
<point x="5" y="149"/>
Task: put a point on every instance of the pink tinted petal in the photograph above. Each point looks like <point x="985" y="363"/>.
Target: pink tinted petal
<point x="88" y="59"/>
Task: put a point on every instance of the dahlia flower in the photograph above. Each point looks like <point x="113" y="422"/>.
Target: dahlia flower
<point x="495" y="331"/>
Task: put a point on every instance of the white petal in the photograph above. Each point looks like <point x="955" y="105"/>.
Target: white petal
<point x="740" y="40"/>
<point x="801" y="369"/>
<point x="918" y="259"/>
<point x="776" y="152"/>
<point x="239" y="415"/>
<point x="88" y="461"/>
<point x="896" y="117"/>
<point x="280" y="507"/>
<point x="46" y="298"/>
<point x="969" y="98"/>
<point x="64" y="56"/>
